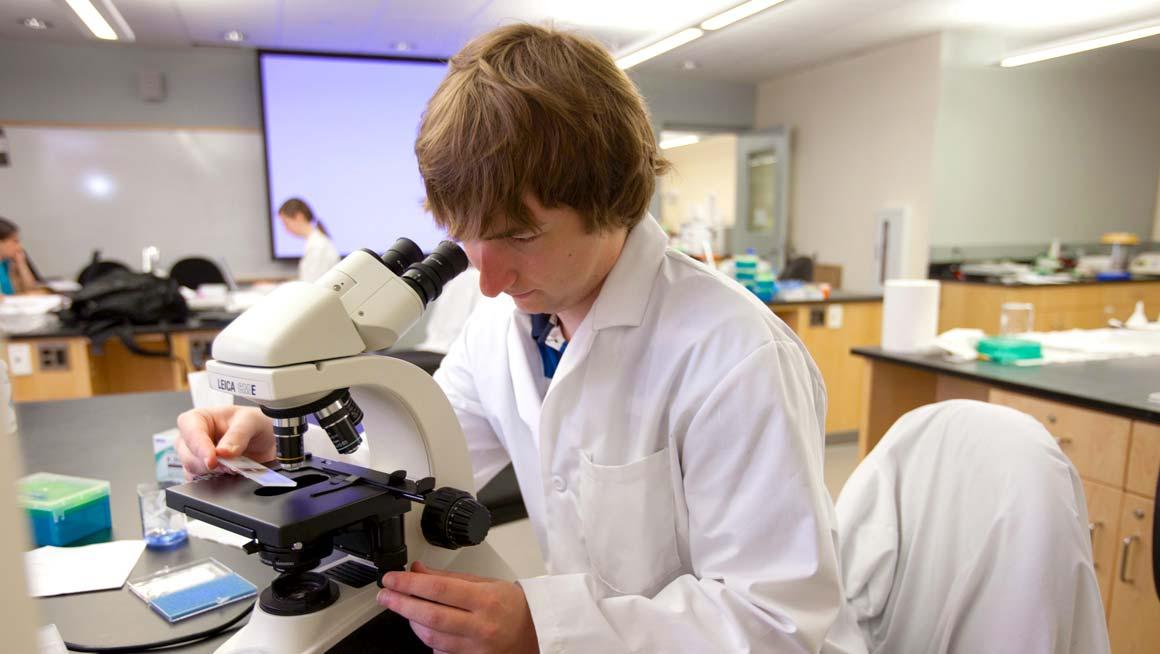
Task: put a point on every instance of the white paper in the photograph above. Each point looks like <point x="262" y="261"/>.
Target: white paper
<point x="206" y="531"/>
<point x="63" y="570"/>
<point x="203" y="396"/>
<point x="50" y="640"/>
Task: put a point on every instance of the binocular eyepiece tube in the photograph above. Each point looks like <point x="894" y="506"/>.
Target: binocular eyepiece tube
<point x="426" y="275"/>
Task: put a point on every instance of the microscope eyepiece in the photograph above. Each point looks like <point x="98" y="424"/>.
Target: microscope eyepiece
<point x="429" y="276"/>
<point x="401" y="255"/>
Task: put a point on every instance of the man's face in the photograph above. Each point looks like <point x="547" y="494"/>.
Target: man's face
<point x="548" y="271"/>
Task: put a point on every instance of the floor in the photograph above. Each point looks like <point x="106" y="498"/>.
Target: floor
<point x="516" y="542"/>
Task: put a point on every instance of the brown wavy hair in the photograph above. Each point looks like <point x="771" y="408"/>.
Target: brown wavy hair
<point x="528" y="109"/>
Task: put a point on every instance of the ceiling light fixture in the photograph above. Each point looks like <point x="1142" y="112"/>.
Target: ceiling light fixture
<point x="93" y="19"/>
<point x="35" y="23"/>
<point x="402" y="46"/>
<point x="743" y="10"/>
<point x="660" y="47"/>
<point x="234" y="36"/>
<point x="1081" y="44"/>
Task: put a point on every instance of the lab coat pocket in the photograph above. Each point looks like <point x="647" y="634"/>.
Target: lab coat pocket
<point x="629" y="523"/>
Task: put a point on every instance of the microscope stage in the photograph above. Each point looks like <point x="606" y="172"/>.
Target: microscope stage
<point x="329" y="496"/>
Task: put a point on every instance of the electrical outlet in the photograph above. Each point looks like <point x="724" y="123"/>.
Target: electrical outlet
<point x="200" y="351"/>
<point x="20" y="359"/>
<point x="53" y="357"/>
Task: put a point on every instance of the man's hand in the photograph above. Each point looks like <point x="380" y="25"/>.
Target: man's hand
<point x="461" y="614"/>
<point x="207" y="434"/>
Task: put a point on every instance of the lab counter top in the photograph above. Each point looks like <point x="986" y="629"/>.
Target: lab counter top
<point x="1117" y="386"/>
<point x="991" y="281"/>
<point x="836" y="296"/>
<point x="110" y="438"/>
<point x="203" y="321"/>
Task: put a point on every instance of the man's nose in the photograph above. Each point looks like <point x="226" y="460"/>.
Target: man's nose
<point x="496" y="274"/>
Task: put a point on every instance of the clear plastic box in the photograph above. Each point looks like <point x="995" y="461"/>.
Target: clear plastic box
<point x="63" y="509"/>
<point x="188" y="590"/>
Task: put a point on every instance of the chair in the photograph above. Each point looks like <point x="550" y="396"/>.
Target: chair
<point x="192" y="272"/>
<point x="965" y="530"/>
<point x="798" y="268"/>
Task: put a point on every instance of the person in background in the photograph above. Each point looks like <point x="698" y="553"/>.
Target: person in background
<point x="319" y="255"/>
<point x="16" y="274"/>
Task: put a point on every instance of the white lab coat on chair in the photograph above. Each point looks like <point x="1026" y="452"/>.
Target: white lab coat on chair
<point x="964" y="531"/>
<point x="318" y="256"/>
<point x="672" y="472"/>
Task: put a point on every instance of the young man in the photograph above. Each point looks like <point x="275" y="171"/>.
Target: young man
<point x="666" y="429"/>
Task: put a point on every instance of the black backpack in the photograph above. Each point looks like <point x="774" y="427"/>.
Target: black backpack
<point x="113" y="303"/>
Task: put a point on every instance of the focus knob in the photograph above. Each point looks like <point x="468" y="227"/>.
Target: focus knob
<point x="453" y="518"/>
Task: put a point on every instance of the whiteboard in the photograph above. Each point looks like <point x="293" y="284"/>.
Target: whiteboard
<point x="187" y="192"/>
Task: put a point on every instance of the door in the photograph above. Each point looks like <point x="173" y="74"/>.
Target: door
<point x="762" y="194"/>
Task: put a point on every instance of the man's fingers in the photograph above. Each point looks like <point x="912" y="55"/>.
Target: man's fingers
<point x="420" y="568"/>
<point x="439" y="641"/>
<point x="192" y="465"/>
<point x="196" y="428"/>
<point x="437" y="588"/>
<point x="438" y="617"/>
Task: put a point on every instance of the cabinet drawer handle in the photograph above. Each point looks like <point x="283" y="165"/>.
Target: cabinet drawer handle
<point x="1050" y="419"/>
<point x="1092" y="527"/>
<point x="1124" y="560"/>
<point x="1063" y="441"/>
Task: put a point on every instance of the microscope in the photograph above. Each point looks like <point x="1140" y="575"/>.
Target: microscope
<point x="305" y="353"/>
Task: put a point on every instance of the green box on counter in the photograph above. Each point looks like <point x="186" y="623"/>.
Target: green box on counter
<point x="63" y="509"/>
<point x="1007" y="350"/>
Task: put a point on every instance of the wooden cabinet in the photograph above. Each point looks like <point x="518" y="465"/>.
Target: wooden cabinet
<point x="1103" y="505"/>
<point x="70" y="368"/>
<point x="1078" y="306"/>
<point x="1134" y="619"/>
<point x="1096" y="442"/>
<point x="1144" y="459"/>
<point x="57" y="369"/>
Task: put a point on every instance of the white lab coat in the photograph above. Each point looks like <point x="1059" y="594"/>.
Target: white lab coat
<point x="318" y="256"/>
<point x="965" y="531"/>
<point x="672" y="473"/>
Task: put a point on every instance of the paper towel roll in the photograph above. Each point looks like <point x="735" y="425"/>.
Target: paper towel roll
<point x="909" y="314"/>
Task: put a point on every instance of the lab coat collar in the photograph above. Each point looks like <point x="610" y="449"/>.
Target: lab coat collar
<point x="626" y="291"/>
<point x="523" y="357"/>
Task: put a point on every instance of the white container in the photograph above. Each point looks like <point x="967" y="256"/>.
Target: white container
<point x="909" y="315"/>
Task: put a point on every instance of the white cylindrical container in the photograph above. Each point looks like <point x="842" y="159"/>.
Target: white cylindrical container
<point x="909" y="314"/>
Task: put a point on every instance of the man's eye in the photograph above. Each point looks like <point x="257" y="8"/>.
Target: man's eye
<point x="526" y="238"/>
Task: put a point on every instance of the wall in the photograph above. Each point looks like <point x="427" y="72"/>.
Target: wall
<point x="676" y="101"/>
<point x="210" y="91"/>
<point x="708" y="166"/>
<point x="863" y="140"/>
<point x="1068" y="148"/>
<point x="97" y="84"/>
